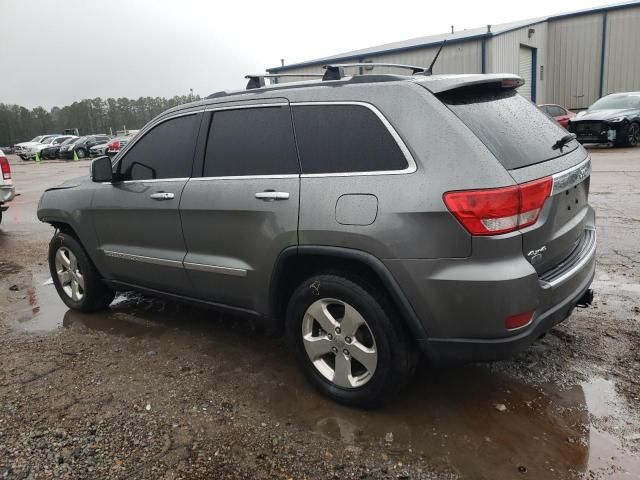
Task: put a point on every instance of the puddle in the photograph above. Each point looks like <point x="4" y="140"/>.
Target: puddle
<point x="41" y="308"/>
<point x="447" y="417"/>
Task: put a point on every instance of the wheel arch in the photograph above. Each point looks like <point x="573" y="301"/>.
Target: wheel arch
<point x="296" y="263"/>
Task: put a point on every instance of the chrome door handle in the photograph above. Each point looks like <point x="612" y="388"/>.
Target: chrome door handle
<point x="162" y="196"/>
<point x="269" y="196"/>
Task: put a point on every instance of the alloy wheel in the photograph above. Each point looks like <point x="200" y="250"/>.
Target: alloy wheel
<point x="634" y="134"/>
<point x="339" y="343"/>
<point x="69" y="274"/>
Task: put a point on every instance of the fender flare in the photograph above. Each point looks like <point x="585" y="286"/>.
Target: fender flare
<point x="398" y="297"/>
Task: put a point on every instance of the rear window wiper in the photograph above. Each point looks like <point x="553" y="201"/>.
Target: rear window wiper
<point x="563" y="141"/>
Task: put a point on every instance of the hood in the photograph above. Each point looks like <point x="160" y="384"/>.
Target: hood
<point x="604" y="114"/>
<point x="26" y="144"/>
<point x="71" y="183"/>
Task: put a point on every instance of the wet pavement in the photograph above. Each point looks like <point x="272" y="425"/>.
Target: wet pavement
<point x="568" y="408"/>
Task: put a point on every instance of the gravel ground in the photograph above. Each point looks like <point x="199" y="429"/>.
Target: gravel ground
<point x="154" y="389"/>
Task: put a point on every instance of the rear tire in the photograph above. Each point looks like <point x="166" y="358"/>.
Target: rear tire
<point x="81" y="152"/>
<point x="75" y="277"/>
<point x="335" y="325"/>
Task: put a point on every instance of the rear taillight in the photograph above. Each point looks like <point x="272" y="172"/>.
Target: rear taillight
<point x="115" y="145"/>
<point x="5" y="168"/>
<point x="499" y="210"/>
<point x="519" y="320"/>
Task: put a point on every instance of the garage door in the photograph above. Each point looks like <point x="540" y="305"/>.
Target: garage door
<point x="525" y="70"/>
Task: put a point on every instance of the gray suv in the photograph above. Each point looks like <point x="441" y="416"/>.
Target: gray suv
<point x="372" y="218"/>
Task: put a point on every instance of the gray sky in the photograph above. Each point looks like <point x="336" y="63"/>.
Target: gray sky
<point x="54" y="52"/>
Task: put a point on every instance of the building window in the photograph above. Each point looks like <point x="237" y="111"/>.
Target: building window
<point x="541" y="72"/>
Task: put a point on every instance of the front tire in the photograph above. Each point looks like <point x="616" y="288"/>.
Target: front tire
<point x="75" y="277"/>
<point x="632" y="138"/>
<point x="343" y="335"/>
<point x="81" y="152"/>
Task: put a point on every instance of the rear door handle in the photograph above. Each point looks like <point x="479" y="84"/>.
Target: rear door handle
<point x="162" y="196"/>
<point x="269" y="196"/>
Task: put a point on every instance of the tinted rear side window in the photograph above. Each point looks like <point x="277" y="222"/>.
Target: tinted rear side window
<point x="165" y="151"/>
<point x="511" y="127"/>
<point x="251" y="141"/>
<point x="344" y="138"/>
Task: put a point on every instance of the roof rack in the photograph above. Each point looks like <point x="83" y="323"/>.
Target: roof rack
<point x="336" y="71"/>
<point x="257" y="81"/>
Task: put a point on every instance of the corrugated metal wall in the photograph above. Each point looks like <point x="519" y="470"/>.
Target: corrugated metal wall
<point x="573" y="71"/>
<point x="503" y="52"/>
<point x="622" y="58"/>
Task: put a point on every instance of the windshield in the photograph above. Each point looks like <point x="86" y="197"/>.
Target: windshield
<point x="510" y="126"/>
<point x="36" y="139"/>
<point x="68" y="141"/>
<point x="47" y="139"/>
<point x="82" y="140"/>
<point x="617" y="102"/>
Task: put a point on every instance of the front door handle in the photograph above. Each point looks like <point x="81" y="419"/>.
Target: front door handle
<point x="162" y="196"/>
<point x="270" y="195"/>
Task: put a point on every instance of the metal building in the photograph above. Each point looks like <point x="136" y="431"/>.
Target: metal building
<point x="571" y="59"/>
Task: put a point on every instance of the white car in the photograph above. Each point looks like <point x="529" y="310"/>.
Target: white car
<point x="30" y="151"/>
<point x="7" y="191"/>
<point x="99" y="150"/>
<point x="20" y="148"/>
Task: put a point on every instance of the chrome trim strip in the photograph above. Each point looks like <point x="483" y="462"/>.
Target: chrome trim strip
<point x="571" y="177"/>
<point x="235" y="272"/>
<point x="241" y="177"/>
<point x="239" y="107"/>
<point x="411" y="163"/>
<point x="588" y="256"/>
<point x="153" y="180"/>
<point x="141" y="258"/>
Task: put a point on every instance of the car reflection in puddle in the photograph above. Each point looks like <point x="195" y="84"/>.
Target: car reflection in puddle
<point x="465" y="419"/>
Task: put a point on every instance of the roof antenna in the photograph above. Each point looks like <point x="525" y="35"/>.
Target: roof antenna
<point x="429" y="71"/>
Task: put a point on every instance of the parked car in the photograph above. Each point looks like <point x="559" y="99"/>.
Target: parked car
<point x="118" y="143"/>
<point x="82" y="145"/>
<point x="7" y="190"/>
<point x="98" y="150"/>
<point x="20" y="148"/>
<point x="51" y="143"/>
<point x="558" y="112"/>
<point x="51" y="151"/>
<point x="612" y="119"/>
<point x="358" y="236"/>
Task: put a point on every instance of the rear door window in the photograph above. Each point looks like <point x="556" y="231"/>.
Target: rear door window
<point x="344" y="138"/>
<point x="251" y="141"/>
<point x="165" y="151"/>
<point x="511" y="127"/>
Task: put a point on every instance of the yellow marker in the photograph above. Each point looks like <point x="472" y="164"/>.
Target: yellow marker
<point x="37" y="156"/>
<point x="75" y="156"/>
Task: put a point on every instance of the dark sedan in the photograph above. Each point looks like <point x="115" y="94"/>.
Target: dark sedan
<point x="82" y="145"/>
<point x="51" y="152"/>
<point x="612" y="119"/>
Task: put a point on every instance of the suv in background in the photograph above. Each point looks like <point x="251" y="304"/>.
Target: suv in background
<point x="22" y="148"/>
<point x="341" y="216"/>
<point x="7" y="191"/>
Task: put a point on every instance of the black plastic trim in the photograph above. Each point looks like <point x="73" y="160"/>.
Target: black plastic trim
<point x="397" y="295"/>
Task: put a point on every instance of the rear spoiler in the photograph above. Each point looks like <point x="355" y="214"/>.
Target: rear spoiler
<point x="442" y="83"/>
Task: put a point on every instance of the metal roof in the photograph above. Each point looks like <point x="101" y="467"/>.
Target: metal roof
<point x="456" y="37"/>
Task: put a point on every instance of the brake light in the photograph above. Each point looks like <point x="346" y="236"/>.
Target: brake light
<point x="494" y="211"/>
<point x="115" y="145"/>
<point x="5" y="168"/>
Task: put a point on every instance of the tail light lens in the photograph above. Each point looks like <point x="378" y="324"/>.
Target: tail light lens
<point x="494" y="211"/>
<point x="519" y="320"/>
<point x="115" y="145"/>
<point x="5" y="168"/>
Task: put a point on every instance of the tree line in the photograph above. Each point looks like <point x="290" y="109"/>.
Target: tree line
<point x="92" y="115"/>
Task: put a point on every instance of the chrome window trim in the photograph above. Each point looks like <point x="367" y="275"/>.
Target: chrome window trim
<point x="253" y="105"/>
<point x="411" y="163"/>
<point x="141" y="258"/>
<point x="246" y="177"/>
<point x="201" y="267"/>
<point x="571" y="176"/>
<point x="152" y="180"/>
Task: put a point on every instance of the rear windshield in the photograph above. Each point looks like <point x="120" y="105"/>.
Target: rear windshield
<point x="511" y="127"/>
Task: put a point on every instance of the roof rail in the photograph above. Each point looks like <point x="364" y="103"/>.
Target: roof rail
<point x="257" y="81"/>
<point x="336" y="71"/>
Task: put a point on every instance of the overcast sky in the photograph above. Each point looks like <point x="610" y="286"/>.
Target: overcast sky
<point x="54" y="52"/>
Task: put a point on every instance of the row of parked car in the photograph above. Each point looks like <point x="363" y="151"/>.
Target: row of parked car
<point x="613" y="119"/>
<point x="54" y="146"/>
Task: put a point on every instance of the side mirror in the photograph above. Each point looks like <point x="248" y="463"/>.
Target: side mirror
<point x="101" y="170"/>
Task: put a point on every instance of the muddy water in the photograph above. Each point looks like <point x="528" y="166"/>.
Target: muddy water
<point x="483" y="424"/>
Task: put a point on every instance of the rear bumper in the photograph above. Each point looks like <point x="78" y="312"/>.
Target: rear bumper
<point x="7" y="192"/>
<point x="464" y="303"/>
